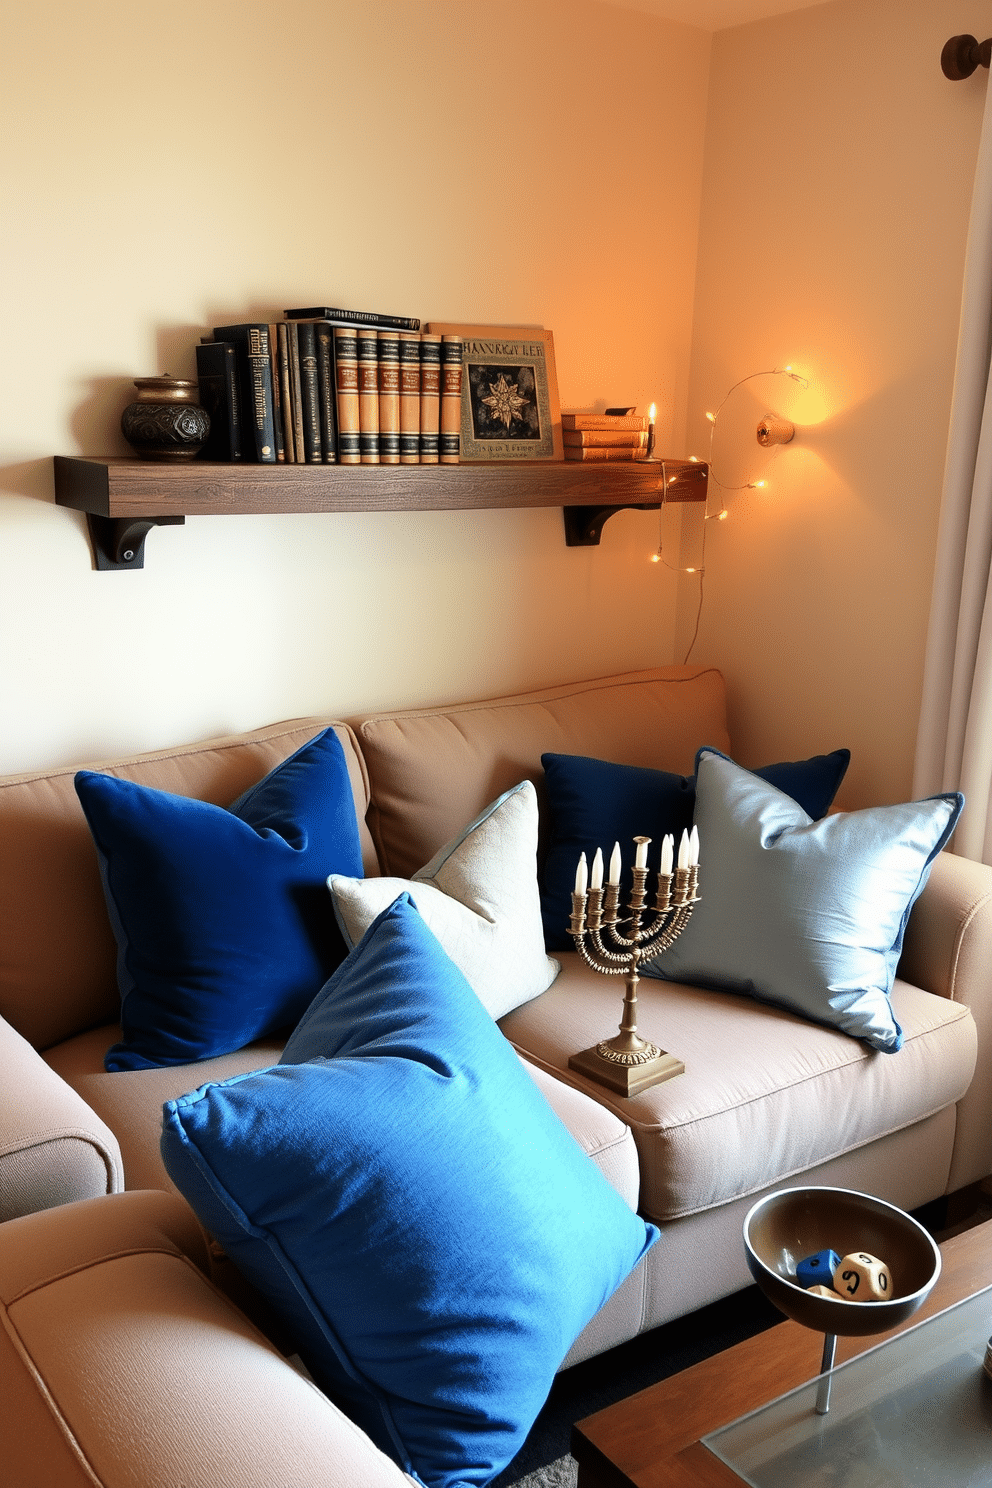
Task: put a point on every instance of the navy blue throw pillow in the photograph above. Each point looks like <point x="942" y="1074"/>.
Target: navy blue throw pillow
<point x="594" y="803"/>
<point x="221" y="916"/>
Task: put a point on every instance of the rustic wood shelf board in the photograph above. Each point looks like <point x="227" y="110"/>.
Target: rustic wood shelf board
<point x="156" y="491"/>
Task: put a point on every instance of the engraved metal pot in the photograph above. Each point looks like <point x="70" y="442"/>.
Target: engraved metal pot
<point x="166" y="422"/>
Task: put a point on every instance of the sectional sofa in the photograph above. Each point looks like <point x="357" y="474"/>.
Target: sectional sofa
<point x="123" y="1313"/>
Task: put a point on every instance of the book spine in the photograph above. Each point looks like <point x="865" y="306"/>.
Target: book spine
<point x="217" y="374"/>
<point x="368" y="394"/>
<point x="296" y="392"/>
<point x="389" y="397"/>
<point x="346" y="361"/>
<point x="255" y="388"/>
<point x="602" y="452"/>
<point x="356" y="317"/>
<point x="285" y="392"/>
<point x="604" y="421"/>
<point x="621" y="438"/>
<point x="409" y="398"/>
<point x="310" y="401"/>
<point x="326" y="384"/>
<point x="276" y="392"/>
<point x="430" y="397"/>
<point x="449" y="443"/>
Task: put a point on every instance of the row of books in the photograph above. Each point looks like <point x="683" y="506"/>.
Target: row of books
<point x="604" y="436"/>
<point x="329" y="386"/>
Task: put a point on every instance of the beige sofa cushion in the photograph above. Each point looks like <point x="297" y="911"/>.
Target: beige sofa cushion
<point x="432" y="770"/>
<point x="157" y="1380"/>
<point x="765" y="1094"/>
<point x="58" y="976"/>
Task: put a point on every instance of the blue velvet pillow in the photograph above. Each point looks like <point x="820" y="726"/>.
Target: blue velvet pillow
<point x="221" y="918"/>
<point x="594" y="803"/>
<point x="427" y="1229"/>
<point x="808" y="915"/>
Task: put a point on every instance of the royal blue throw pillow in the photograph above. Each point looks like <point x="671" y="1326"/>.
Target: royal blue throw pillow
<point x="806" y="914"/>
<point x="220" y="914"/>
<point x="427" y="1229"/>
<point x="594" y="803"/>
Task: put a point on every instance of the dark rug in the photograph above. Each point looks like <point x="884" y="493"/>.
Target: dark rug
<point x="544" y="1460"/>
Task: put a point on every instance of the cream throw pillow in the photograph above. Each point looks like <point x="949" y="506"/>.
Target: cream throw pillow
<point x="479" y="897"/>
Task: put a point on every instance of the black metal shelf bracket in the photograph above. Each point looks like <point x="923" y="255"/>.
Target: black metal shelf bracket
<point x="118" y="543"/>
<point x="584" y="524"/>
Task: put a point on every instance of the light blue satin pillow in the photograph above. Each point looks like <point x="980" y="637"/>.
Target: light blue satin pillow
<point x="806" y="914"/>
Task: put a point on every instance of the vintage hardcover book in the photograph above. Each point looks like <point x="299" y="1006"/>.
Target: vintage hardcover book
<point x="217" y="375"/>
<point x="368" y="394"/>
<point x="389" y="397"/>
<point x="346" y="363"/>
<point x="621" y="438"/>
<point x="604" y="421"/>
<point x="602" y="452"/>
<point x="276" y="391"/>
<point x="326" y="385"/>
<point x="251" y="344"/>
<point x="285" y="392"/>
<point x="296" y="392"/>
<point x="430" y="397"/>
<point x="309" y="396"/>
<point x="449" y="441"/>
<point x="355" y="317"/>
<point x="409" y="398"/>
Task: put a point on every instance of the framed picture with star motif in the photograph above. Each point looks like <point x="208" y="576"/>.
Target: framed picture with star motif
<point x="510" y="407"/>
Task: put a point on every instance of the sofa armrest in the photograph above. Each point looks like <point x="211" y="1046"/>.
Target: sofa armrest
<point x="122" y="1364"/>
<point x="948" y="951"/>
<point x="53" y="1148"/>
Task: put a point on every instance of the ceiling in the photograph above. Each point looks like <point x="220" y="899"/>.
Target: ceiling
<point x="713" y="15"/>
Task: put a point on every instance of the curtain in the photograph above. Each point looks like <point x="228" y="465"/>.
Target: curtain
<point x="954" y="743"/>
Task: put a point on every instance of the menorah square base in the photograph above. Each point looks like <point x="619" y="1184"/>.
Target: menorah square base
<point x="626" y="1079"/>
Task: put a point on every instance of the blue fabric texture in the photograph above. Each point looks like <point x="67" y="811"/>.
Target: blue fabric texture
<point x="221" y="916"/>
<point x="594" y="803"/>
<point x="430" y="1233"/>
<point x="808" y="915"/>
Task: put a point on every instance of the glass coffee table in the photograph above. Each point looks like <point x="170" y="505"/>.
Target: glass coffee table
<point x="912" y="1409"/>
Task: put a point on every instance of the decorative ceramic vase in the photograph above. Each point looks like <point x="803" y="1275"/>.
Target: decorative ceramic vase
<point x="166" y="423"/>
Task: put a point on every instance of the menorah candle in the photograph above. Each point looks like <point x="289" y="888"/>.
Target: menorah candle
<point x="615" y="864"/>
<point x="581" y="875"/>
<point x="667" y="854"/>
<point x="684" y="851"/>
<point x="596" y="877"/>
<point x="641" y="855"/>
<point x="694" y="848"/>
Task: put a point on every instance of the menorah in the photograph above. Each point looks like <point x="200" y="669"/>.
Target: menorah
<point x="616" y="944"/>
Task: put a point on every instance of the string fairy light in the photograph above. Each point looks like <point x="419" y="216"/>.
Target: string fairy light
<point x="722" y="514"/>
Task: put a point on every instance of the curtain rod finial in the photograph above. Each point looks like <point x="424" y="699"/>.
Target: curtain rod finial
<point x="962" y="55"/>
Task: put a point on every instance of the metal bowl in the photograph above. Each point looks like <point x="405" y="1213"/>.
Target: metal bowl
<point x="784" y="1227"/>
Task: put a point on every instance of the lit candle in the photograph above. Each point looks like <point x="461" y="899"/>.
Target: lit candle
<point x="667" y="853"/>
<point x="596" y="878"/>
<point x="615" y="863"/>
<point x="694" y="848"/>
<point x="641" y="856"/>
<point x="684" y="850"/>
<point x="649" y="451"/>
<point x="581" y="875"/>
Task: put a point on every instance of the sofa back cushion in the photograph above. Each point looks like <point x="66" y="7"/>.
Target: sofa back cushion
<point x="433" y="770"/>
<point x="57" y="971"/>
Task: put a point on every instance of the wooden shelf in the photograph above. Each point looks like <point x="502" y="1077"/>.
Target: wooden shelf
<point x="120" y="496"/>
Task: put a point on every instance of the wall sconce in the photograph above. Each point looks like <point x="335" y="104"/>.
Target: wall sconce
<point x="774" y="430"/>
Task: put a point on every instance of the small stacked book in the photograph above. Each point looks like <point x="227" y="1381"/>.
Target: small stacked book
<point x="604" y="436"/>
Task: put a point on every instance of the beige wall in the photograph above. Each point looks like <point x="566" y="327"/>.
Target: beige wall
<point x="839" y="164"/>
<point x="167" y="169"/>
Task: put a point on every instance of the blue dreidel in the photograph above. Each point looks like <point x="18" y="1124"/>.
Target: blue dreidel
<point x="819" y="1268"/>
